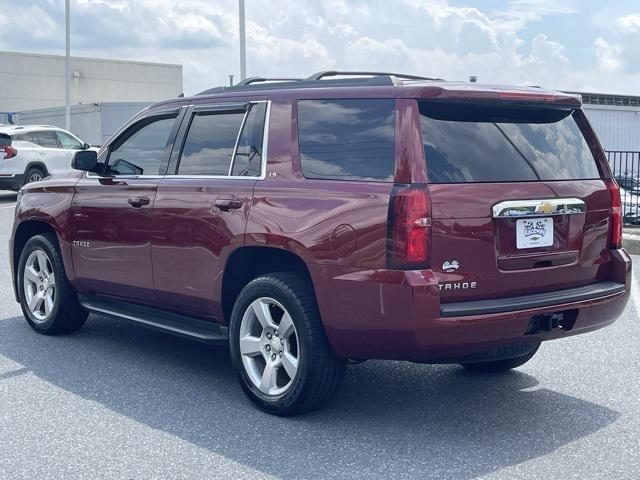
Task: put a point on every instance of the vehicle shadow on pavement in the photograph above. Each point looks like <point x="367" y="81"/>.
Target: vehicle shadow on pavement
<point x="390" y="419"/>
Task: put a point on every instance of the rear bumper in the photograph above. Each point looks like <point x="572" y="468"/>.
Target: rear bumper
<point x="538" y="300"/>
<point x="398" y="315"/>
<point x="11" y="182"/>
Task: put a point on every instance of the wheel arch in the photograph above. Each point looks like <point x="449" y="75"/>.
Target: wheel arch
<point x="24" y="231"/>
<point x="36" y="164"/>
<point x="249" y="262"/>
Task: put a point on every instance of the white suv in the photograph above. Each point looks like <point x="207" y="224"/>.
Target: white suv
<point x="34" y="152"/>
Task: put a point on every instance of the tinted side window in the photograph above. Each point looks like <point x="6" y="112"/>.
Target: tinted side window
<point x="479" y="144"/>
<point x="347" y="139"/>
<point x="140" y="151"/>
<point x="209" y="144"/>
<point x="68" y="142"/>
<point x="29" y="137"/>
<point x="47" y="139"/>
<point x="248" y="159"/>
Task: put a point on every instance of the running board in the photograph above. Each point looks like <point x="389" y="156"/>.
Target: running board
<point x="176" y="324"/>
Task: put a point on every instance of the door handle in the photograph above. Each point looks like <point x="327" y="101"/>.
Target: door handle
<point x="225" y="205"/>
<point x="138" y="202"/>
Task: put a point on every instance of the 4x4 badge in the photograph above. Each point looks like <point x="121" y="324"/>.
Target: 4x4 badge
<point x="450" y="266"/>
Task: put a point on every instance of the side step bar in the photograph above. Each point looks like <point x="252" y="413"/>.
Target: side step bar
<point x="176" y="324"/>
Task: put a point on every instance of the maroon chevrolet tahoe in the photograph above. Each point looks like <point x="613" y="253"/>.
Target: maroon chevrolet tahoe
<point x="309" y="223"/>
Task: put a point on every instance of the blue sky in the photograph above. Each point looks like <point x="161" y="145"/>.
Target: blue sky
<point x="579" y="45"/>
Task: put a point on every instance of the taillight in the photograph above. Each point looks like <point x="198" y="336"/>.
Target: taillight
<point x="615" y="216"/>
<point x="9" y="152"/>
<point x="409" y="233"/>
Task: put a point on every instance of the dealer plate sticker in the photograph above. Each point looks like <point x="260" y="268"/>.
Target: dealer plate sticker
<point x="534" y="232"/>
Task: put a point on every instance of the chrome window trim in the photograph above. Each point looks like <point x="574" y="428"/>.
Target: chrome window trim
<point x="538" y="208"/>
<point x="263" y="163"/>
<point x="235" y="146"/>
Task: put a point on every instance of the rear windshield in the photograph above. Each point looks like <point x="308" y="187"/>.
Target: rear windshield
<point x="463" y="144"/>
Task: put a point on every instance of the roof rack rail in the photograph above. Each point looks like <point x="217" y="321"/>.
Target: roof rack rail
<point x="376" y="79"/>
<point x="250" y="80"/>
<point x="337" y="73"/>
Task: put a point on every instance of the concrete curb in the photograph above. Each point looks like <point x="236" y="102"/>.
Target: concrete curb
<point x="631" y="243"/>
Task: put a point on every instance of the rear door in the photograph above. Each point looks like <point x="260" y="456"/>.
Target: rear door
<point x="112" y="219"/>
<point x="518" y="203"/>
<point x="51" y="153"/>
<point x="202" y="205"/>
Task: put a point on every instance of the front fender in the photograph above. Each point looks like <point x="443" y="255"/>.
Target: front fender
<point x="43" y="207"/>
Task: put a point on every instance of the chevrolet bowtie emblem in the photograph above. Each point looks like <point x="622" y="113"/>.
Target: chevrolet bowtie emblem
<point x="545" y="207"/>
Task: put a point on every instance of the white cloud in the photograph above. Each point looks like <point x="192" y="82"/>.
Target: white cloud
<point x="629" y="23"/>
<point x="297" y="37"/>
<point x="608" y="55"/>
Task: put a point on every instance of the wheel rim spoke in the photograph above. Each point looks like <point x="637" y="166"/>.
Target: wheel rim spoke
<point x="42" y="262"/>
<point x="290" y="364"/>
<point x="269" y="377"/>
<point x="35" y="303"/>
<point x="251" y="346"/>
<point x="48" y="304"/>
<point x="30" y="274"/>
<point x="261" y="310"/>
<point x="286" y="326"/>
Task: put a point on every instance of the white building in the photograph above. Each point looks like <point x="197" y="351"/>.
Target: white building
<point x="33" y="81"/>
<point x="104" y="93"/>
<point x="616" y="120"/>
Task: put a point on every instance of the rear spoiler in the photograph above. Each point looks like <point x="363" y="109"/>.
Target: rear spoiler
<point x="514" y="96"/>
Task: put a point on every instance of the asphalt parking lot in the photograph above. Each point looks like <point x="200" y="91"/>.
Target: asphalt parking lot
<point x="119" y="401"/>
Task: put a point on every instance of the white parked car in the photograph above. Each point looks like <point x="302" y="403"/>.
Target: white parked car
<point x="30" y="153"/>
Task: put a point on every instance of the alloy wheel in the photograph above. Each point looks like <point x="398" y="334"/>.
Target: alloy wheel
<point x="269" y="346"/>
<point x="35" y="177"/>
<point x="39" y="285"/>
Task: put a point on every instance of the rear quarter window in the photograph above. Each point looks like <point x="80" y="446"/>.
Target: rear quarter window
<point x="476" y="144"/>
<point x="347" y="139"/>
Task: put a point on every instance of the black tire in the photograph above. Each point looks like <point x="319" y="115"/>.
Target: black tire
<point x="497" y="366"/>
<point x="66" y="315"/>
<point x="34" y="174"/>
<point x="319" y="373"/>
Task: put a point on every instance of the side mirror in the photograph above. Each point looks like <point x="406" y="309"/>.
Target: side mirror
<point x="123" y="167"/>
<point x="85" y="160"/>
<point x="86" y="146"/>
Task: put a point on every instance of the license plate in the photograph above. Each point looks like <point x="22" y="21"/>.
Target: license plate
<point x="534" y="232"/>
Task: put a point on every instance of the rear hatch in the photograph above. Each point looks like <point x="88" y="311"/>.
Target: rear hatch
<point x="518" y="200"/>
<point x="6" y="150"/>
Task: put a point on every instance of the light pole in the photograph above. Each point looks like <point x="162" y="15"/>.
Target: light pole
<point x="243" y="42"/>
<point x="67" y="65"/>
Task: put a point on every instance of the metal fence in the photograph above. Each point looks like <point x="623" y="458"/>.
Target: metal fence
<point x="626" y="170"/>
